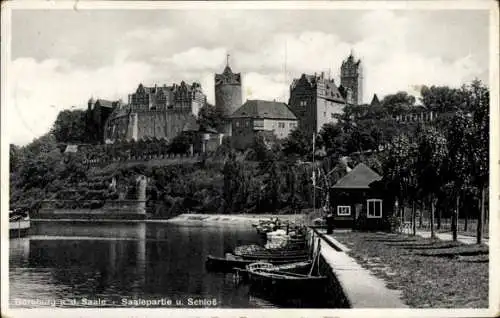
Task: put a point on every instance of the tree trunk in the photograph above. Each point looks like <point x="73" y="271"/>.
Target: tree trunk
<point x="466" y="221"/>
<point x="433" y="207"/>
<point x="480" y="218"/>
<point x="454" y="219"/>
<point x="439" y="214"/>
<point x="414" y="218"/>
<point x="421" y="215"/>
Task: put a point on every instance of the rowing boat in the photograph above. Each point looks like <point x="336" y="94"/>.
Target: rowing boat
<point x="231" y="262"/>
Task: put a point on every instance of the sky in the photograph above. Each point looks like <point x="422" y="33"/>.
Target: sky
<point x="61" y="58"/>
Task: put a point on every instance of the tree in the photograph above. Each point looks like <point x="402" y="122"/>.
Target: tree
<point x="398" y="103"/>
<point x="210" y="117"/>
<point x="441" y="98"/>
<point x="180" y="144"/>
<point x="400" y="172"/>
<point x="432" y="154"/>
<point x="298" y="142"/>
<point x="69" y="126"/>
<point x="331" y="135"/>
<point x="460" y="133"/>
<point x="477" y="100"/>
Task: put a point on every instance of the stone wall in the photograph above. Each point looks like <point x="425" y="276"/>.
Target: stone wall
<point x="303" y="104"/>
<point x="228" y="98"/>
<point x="148" y="124"/>
<point x="326" y="110"/>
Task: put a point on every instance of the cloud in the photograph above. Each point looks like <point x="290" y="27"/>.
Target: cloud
<point x="398" y="51"/>
<point x="39" y="90"/>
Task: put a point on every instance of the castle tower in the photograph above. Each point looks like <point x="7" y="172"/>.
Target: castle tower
<point x="227" y="94"/>
<point x="351" y="77"/>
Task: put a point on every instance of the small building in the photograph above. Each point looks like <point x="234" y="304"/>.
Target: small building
<point x="258" y="116"/>
<point x="358" y="201"/>
<point x="205" y="139"/>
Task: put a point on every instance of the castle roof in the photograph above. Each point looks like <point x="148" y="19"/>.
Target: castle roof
<point x="165" y="89"/>
<point x="358" y="178"/>
<point x="264" y="109"/>
<point x="375" y="101"/>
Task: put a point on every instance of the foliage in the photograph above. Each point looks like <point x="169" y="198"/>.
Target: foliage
<point x="298" y="142"/>
<point x="69" y="126"/>
<point x="210" y="117"/>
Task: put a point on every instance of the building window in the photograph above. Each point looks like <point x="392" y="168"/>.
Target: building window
<point x="324" y="114"/>
<point x="292" y="125"/>
<point x="332" y="115"/>
<point x="281" y="125"/>
<point x="258" y="123"/>
<point x="303" y="103"/>
<point x="237" y="123"/>
<point x="344" y="210"/>
<point x="374" y="208"/>
<point x="247" y="123"/>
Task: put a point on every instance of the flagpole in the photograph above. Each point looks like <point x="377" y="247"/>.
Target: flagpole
<point x="314" y="175"/>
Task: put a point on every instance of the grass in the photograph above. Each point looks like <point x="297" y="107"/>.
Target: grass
<point x="430" y="273"/>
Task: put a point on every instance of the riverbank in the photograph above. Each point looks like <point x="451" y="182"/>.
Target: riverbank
<point x="211" y="219"/>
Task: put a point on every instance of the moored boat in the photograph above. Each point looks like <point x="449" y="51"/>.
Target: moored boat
<point x="297" y="267"/>
<point x="19" y="223"/>
<point x="231" y="262"/>
<point x="285" y="285"/>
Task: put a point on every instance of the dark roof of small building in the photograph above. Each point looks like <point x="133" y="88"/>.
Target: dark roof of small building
<point x="358" y="178"/>
<point x="264" y="109"/>
<point x="105" y="103"/>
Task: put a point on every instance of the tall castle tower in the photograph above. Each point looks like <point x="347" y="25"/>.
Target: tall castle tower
<point x="227" y="93"/>
<point x="351" y="78"/>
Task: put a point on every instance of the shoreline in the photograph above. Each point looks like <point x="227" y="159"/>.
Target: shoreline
<point x="193" y="219"/>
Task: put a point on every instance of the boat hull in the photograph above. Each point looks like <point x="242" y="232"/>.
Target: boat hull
<point x="19" y="228"/>
<point x="286" y="287"/>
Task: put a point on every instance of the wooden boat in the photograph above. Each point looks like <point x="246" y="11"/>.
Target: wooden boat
<point x="285" y="285"/>
<point x="253" y="249"/>
<point x="231" y="262"/>
<point x="298" y="267"/>
<point x="19" y="223"/>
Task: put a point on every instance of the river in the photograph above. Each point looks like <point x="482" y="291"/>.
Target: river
<point x="79" y="264"/>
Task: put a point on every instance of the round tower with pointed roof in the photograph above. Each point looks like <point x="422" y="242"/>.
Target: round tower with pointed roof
<point x="227" y="93"/>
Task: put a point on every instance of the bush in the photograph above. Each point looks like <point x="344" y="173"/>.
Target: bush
<point x="96" y="204"/>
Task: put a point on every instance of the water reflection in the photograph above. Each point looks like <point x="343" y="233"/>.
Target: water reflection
<point x="116" y="261"/>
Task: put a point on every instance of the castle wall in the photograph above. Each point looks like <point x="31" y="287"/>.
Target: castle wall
<point x="326" y="111"/>
<point x="161" y="124"/>
<point x="245" y="130"/>
<point x="117" y="128"/>
<point x="303" y="104"/>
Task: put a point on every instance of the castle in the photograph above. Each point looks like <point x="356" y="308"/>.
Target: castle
<point x="163" y="112"/>
<point x="316" y="99"/>
<point x="160" y="112"/>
